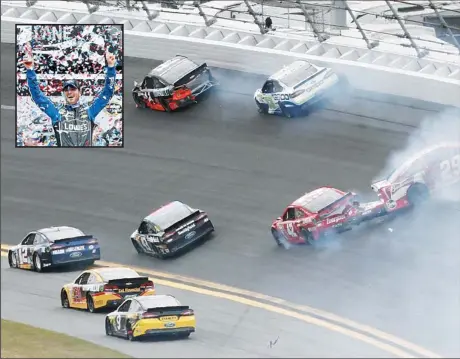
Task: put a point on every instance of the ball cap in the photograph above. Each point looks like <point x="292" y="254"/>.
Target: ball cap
<point x="71" y="83"/>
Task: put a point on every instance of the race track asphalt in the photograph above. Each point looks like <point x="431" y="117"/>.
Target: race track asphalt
<point x="243" y="168"/>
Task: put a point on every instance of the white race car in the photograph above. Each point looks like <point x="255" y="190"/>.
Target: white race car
<point x="294" y="88"/>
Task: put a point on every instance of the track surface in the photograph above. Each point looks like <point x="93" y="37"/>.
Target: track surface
<point x="225" y="329"/>
<point x="243" y="169"/>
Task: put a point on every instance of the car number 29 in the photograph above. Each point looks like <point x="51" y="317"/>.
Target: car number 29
<point x="290" y="230"/>
<point x="118" y="322"/>
<point x="450" y="168"/>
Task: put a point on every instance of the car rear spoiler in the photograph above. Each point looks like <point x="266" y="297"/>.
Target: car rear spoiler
<point x="123" y="281"/>
<point x="182" y="221"/>
<point x="72" y="239"/>
<point x="177" y="308"/>
<point x="200" y="68"/>
<point x="329" y="206"/>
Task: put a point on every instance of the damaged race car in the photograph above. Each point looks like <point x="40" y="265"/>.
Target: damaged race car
<point x="295" y="88"/>
<point x="322" y="212"/>
<point x="174" y="84"/>
<point x="420" y="176"/>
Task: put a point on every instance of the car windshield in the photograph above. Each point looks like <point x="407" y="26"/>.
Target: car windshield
<point x="63" y="233"/>
<point x="158" y="301"/>
<point x="117" y="273"/>
<point x="175" y="69"/>
<point x="172" y="213"/>
<point x="319" y="199"/>
<point x="300" y="72"/>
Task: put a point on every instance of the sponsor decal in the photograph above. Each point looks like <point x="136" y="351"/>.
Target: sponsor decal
<point x="57" y="251"/>
<point x="90" y="246"/>
<point x="391" y="204"/>
<point x="334" y="219"/>
<point x="186" y="229"/>
<point x="129" y="290"/>
<point x="190" y="235"/>
<point x="75" y="254"/>
<point x="75" y="249"/>
<point x="170" y="325"/>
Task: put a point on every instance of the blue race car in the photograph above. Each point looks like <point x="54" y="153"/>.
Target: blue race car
<point x="294" y="88"/>
<point x="54" y="246"/>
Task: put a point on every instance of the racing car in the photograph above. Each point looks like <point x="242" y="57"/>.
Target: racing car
<point x="105" y="288"/>
<point x="170" y="229"/>
<point x="52" y="247"/>
<point x="175" y="83"/>
<point x="321" y="212"/>
<point x="294" y="88"/>
<point x="427" y="172"/>
<point x="143" y="317"/>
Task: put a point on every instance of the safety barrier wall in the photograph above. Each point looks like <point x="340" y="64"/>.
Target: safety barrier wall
<point x="362" y="76"/>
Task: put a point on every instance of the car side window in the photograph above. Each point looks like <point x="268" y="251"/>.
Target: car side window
<point x="277" y="87"/>
<point x="92" y="279"/>
<point x="289" y="215"/>
<point x="134" y="307"/>
<point x="40" y="239"/>
<point x="299" y="213"/>
<point x="83" y="279"/>
<point x="143" y="228"/>
<point x="125" y="306"/>
<point x="29" y="240"/>
<point x="268" y="87"/>
<point x="157" y="84"/>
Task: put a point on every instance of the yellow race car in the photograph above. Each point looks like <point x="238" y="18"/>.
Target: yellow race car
<point x="142" y="317"/>
<point x="105" y="288"/>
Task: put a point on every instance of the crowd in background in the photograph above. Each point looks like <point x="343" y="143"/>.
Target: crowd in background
<point x="64" y="52"/>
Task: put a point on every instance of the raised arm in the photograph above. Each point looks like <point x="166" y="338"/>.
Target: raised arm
<point x="40" y="99"/>
<point x="106" y="94"/>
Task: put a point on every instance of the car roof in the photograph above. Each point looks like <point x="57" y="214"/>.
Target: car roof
<point x="110" y="273"/>
<point x="412" y="159"/>
<point x="295" y="72"/>
<point x="318" y="199"/>
<point x="169" y="214"/>
<point x="158" y="301"/>
<point x="61" y="232"/>
<point x="174" y="69"/>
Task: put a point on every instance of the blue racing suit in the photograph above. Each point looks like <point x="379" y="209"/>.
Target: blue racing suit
<point x="73" y="124"/>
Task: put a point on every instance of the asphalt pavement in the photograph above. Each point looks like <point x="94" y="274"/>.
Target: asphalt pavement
<point x="243" y="169"/>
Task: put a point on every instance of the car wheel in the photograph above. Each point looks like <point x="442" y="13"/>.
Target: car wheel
<point x="417" y="194"/>
<point x="137" y="246"/>
<point x="276" y="235"/>
<point x="12" y="260"/>
<point x="129" y="333"/>
<point x="90" y="304"/>
<point x="280" y="240"/>
<point x="286" y="112"/>
<point x="108" y="328"/>
<point x="38" y="264"/>
<point x="64" y="299"/>
<point x="89" y="263"/>
<point x="183" y="335"/>
<point x="307" y="236"/>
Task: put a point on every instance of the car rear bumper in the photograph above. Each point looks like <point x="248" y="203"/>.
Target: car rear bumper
<point x="167" y="331"/>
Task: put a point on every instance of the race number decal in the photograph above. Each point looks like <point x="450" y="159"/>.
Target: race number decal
<point x="118" y="322"/>
<point x="450" y="168"/>
<point x="290" y="230"/>
<point x="76" y="294"/>
<point x="144" y="243"/>
<point x="23" y="256"/>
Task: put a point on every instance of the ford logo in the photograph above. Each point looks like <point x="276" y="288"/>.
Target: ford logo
<point x="76" y="254"/>
<point x="190" y="235"/>
<point x="170" y="325"/>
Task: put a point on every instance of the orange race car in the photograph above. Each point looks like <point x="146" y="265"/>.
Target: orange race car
<point x="175" y="83"/>
<point x="105" y="288"/>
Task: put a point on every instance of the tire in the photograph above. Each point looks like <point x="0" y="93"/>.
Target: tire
<point x="286" y="113"/>
<point x="64" y="299"/>
<point x="12" y="261"/>
<point x="137" y="246"/>
<point x="275" y="235"/>
<point x="183" y="335"/>
<point x="90" y="304"/>
<point x="417" y="194"/>
<point x="38" y="264"/>
<point x="89" y="263"/>
<point x="262" y="108"/>
<point x="129" y="333"/>
<point x="307" y="236"/>
<point x="108" y="328"/>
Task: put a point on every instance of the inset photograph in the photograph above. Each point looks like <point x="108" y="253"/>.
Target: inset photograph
<point x="69" y="85"/>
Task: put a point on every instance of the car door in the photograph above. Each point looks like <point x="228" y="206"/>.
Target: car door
<point x="267" y="94"/>
<point x="120" y="317"/>
<point x="133" y="314"/>
<point x="25" y="251"/>
<point x="288" y="225"/>
<point x="77" y="297"/>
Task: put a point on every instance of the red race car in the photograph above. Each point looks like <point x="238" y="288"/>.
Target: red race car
<point x="429" y="171"/>
<point x="321" y="212"/>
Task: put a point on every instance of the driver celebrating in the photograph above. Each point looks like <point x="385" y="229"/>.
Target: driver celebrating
<point x="73" y="122"/>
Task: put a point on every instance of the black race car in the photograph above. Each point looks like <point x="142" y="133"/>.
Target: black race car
<point x="175" y="83"/>
<point x="54" y="246"/>
<point x="170" y="229"/>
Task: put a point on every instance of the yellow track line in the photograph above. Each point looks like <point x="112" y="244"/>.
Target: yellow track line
<point x="215" y="290"/>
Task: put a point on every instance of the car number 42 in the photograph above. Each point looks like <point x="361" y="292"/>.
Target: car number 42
<point x="450" y="168"/>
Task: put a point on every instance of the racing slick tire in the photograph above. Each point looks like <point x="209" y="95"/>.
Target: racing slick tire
<point x="129" y="333"/>
<point x="64" y="299"/>
<point x="137" y="246"/>
<point x="307" y="236"/>
<point x="286" y="112"/>
<point x="262" y="108"/>
<point x="12" y="261"/>
<point x="37" y="263"/>
<point x="183" y="335"/>
<point x="90" y="304"/>
<point x="280" y="240"/>
<point x="417" y="194"/>
<point x="108" y="328"/>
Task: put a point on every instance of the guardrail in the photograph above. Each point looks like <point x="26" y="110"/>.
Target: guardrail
<point x="369" y="70"/>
